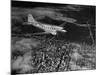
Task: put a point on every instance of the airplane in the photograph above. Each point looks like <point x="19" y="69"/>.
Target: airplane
<point x="49" y="29"/>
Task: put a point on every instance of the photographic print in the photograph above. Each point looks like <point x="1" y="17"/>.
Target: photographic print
<point x="52" y="37"/>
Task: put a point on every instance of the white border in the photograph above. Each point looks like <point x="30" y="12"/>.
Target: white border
<point x="5" y="37"/>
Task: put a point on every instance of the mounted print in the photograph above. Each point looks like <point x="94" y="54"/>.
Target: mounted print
<point x="52" y="37"/>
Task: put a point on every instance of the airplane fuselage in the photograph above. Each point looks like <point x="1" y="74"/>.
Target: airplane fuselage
<point x="46" y="27"/>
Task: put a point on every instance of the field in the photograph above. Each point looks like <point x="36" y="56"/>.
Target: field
<point x="31" y="55"/>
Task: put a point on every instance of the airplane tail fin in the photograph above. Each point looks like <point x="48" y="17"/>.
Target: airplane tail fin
<point x="30" y="18"/>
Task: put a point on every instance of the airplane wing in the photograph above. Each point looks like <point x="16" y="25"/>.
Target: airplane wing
<point x="62" y="25"/>
<point x="41" y="33"/>
<point x="32" y="34"/>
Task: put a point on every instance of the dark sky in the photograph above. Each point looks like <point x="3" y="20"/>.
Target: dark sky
<point x="88" y="12"/>
<point x="35" y="4"/>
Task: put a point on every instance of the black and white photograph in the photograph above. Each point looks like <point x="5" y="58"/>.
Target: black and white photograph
<point x="52" y="37"/>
